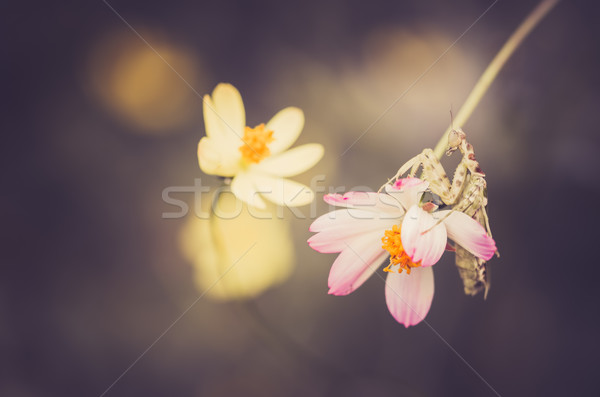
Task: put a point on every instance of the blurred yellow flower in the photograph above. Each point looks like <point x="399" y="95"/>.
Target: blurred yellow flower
<point x="239" y="252"/>
<point x="139" y="87"/>
<point x="256" y="158"/>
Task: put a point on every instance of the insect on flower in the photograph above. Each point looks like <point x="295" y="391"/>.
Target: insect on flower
<point x="397" y="224"/>
<point x="256" y="158"/>
<point x="466" y="193"/>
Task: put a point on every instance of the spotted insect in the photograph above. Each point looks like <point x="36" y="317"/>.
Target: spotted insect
<point x="466" y="193"/>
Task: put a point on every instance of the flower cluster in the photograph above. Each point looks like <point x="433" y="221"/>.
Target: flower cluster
<point x="369" y="227"/>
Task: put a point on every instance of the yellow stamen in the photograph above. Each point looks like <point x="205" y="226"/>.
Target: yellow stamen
<point x="255" y="144"/>
<point x="393" y="244"/>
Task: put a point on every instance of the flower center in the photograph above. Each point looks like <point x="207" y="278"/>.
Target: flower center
<point x="255" y="144"/>
<point x="393" y="244"/>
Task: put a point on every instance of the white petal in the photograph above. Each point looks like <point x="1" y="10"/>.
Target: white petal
<point x="212" y="123"/>
<point x="286" y="125"/>
<point x="293" y="161"/>
<point x="217" y="157"/>
<point x="407" y="191"/>
<point x="332" y="220"/>
<point x="346" y="216"/>
<point x="337" y="228"/>
<point x="243" y="188"/>
<point x="468" y="233"/>
<point x="383" y="204"/>
<point x="284" y="192"/>
<point x="409" y="296"/>
<point x="224" y="113"/>
<point x="422" y="237"/>
<point x="361" y="257"/>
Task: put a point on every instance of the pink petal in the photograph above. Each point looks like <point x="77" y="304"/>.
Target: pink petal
<point x="468" y="233"/>
<point x="327" y="243"/>
<point x="361" y="257"/>
<point x="351" y="217"/>
<point x="409" y="296"/>
<point x="331" y="220"/>
<point x="408" y="183"/>
<point x="407" y="191"/>
<point x="422" y="237"/>
<point x="338" y="227"/>
<point x="369" y="201"/>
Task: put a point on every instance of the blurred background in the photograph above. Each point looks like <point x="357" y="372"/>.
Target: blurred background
<point x="95" y="126"/>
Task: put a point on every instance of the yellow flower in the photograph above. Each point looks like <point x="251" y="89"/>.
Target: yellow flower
<point x="256" y="158"/>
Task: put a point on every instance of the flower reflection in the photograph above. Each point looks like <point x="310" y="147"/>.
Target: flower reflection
<point x="239" y="252"/>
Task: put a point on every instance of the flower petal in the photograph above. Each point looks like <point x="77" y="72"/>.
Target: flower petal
<point x="286" y="125"/>
<point x="338" y="227"/>
<point x="217" y="157"/>
<point x="224" y="113"/>
<point x="409" y="296"/>
<point x="383" y="204"/>
<point x="341" y="218"/>
<point x="212" y="123"/>
<point x="468" y="233"/>
<point x="353" y="266"/>
<point x="407" y="191"/>
<point x="293" y="161"/>
<point x="422" y="237"/>
<point x="284" y="192"/>
<point x="243" y="188"/>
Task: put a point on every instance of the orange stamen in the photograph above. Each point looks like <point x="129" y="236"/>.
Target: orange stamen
<point x="255" y="144"/>
<point x="393" y="244"/>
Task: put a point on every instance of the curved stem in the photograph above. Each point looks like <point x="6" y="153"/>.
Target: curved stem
<point x="494" y="67"/>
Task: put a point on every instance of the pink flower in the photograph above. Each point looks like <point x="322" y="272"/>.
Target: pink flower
<point x="414" y="236"/>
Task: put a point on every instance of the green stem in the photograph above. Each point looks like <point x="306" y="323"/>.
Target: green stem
<point x="492" y="70"/>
